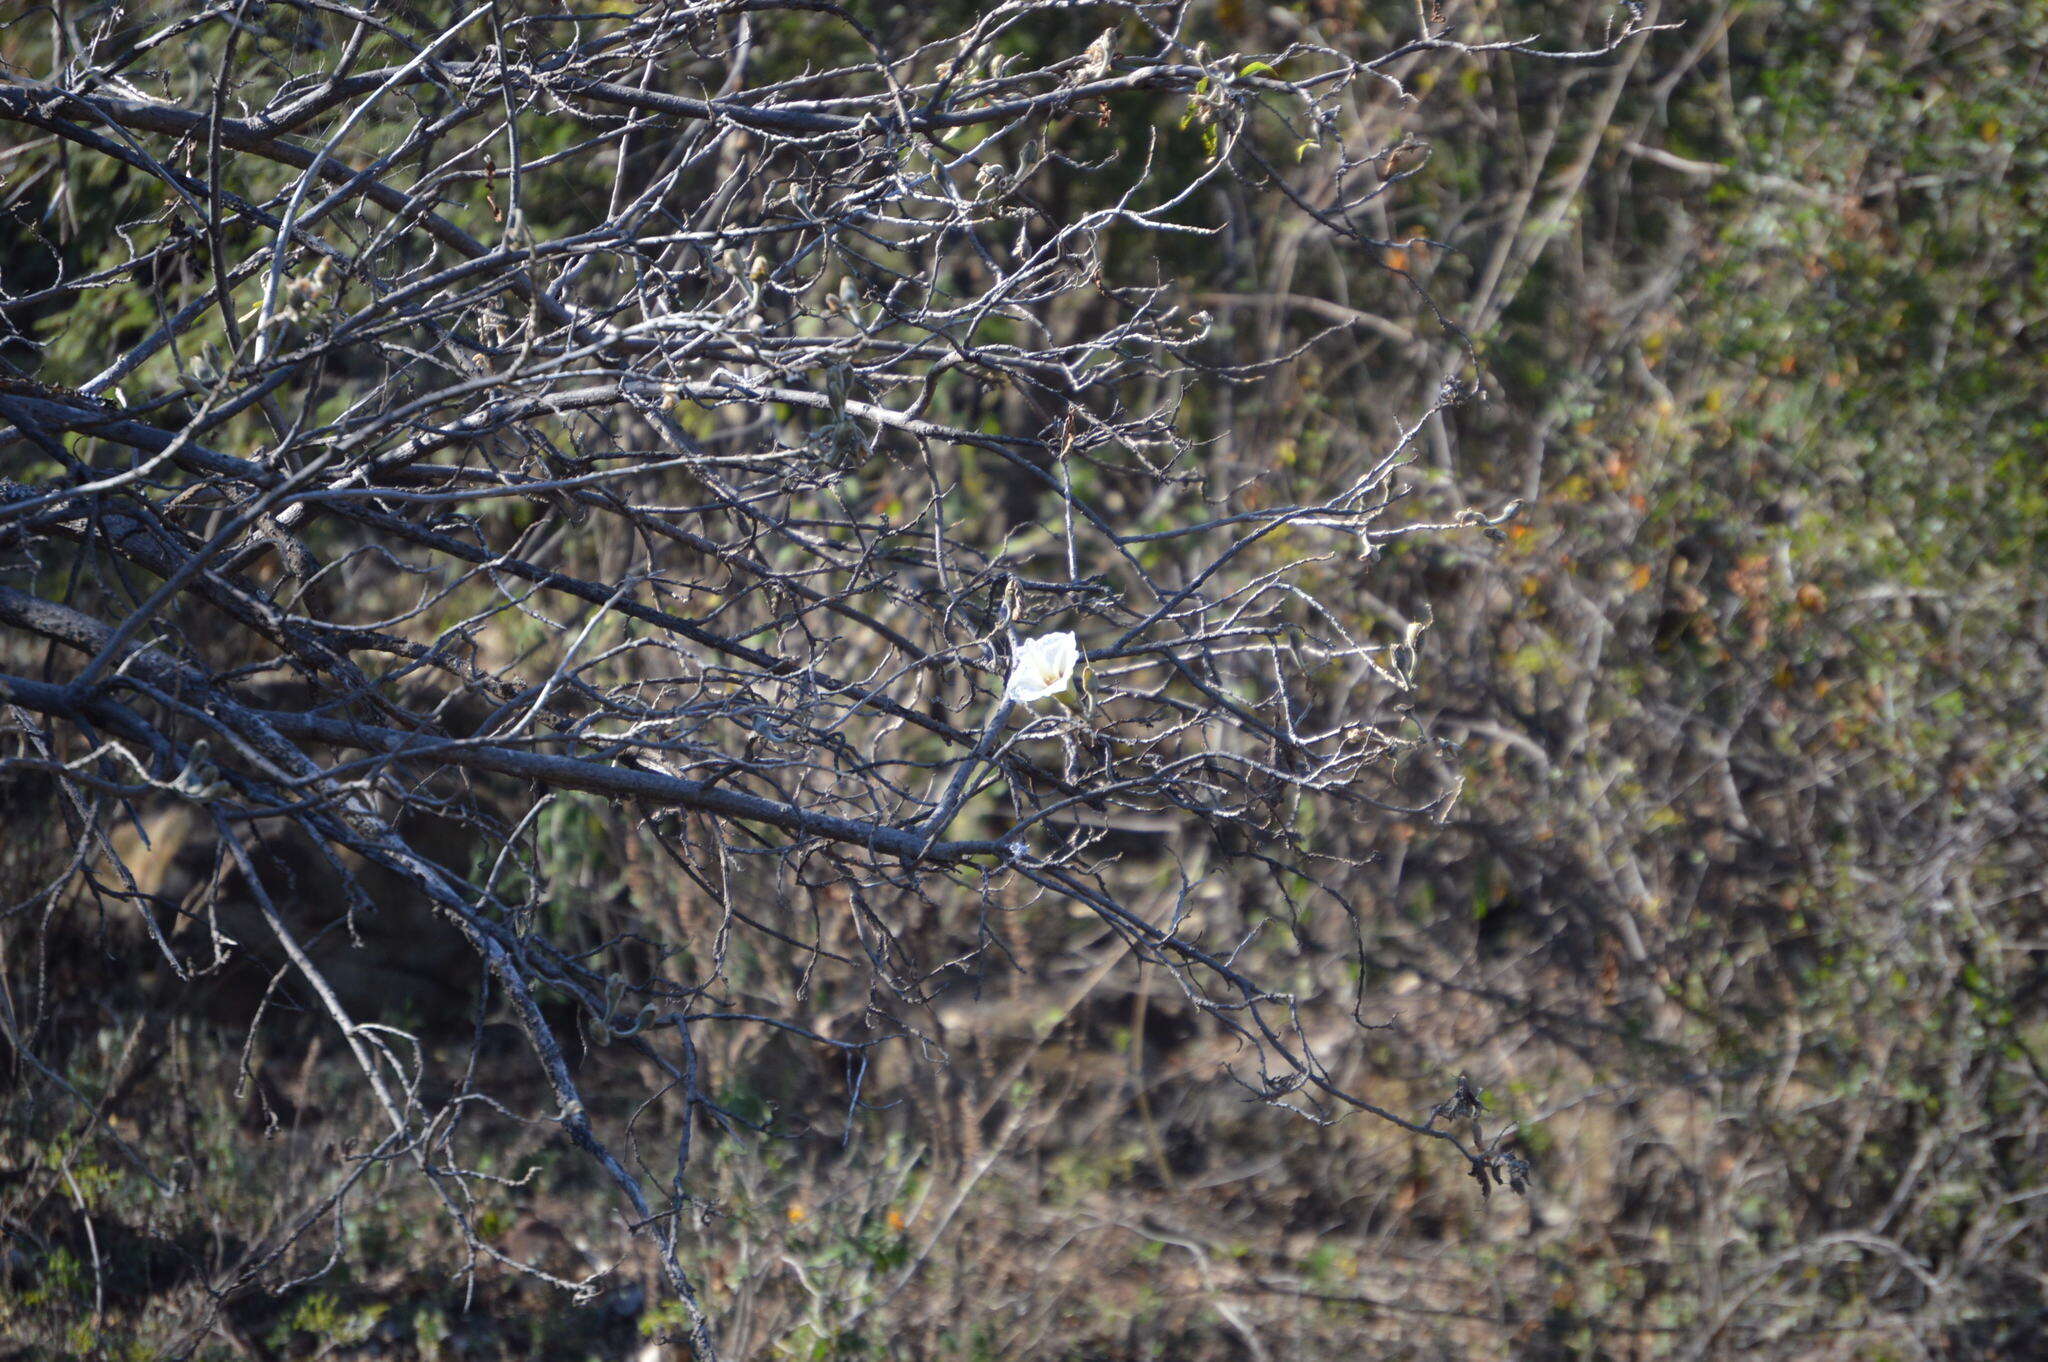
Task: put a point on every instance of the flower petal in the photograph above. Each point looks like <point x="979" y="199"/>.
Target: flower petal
<point x="1043" y="667"/>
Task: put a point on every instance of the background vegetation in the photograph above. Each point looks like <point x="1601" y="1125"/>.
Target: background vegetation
<point x="1737" y="915"/>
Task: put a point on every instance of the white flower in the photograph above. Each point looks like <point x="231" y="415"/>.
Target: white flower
<point x="1044" y="667"/>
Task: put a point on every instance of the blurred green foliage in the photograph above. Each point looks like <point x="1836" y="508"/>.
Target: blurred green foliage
<point x="1741" y="909"/>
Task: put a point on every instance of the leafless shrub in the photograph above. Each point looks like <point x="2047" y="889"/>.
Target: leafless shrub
<point x="528" y="407"/>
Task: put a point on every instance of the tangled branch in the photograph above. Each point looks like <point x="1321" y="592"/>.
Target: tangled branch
<point x="625" y="408"/>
